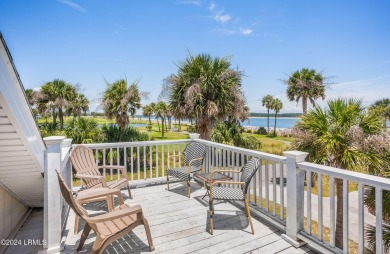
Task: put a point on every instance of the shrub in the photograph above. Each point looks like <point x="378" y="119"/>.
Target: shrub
<point x="191" y="129"/>
<point x="113" y="134"/>
<point x="262" y="131"/>
<point x="83" y="131"/>
<point x="149" y="127"/>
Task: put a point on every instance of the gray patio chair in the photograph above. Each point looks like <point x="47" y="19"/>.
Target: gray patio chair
<point x="227" y="193"/>
<point x="194" y="154"/>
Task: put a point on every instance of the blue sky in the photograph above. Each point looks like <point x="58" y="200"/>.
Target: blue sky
<point x="88" y="42"/>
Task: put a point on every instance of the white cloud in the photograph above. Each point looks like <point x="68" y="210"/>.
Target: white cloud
<point x="222" y="18"/>
<point x="72" y="5"/>
<point x="246" y="31"/>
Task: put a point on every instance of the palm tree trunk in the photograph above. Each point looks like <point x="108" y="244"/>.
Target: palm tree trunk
<point x="150" y="122"/>
<point x="179" y="125"/>
<point x="54" y="115"/>
<point x="268" y="119"/>
<point x="61" y="116"/>
<point x="162" y="126"/>
<point x="158" y="123"/>
<point x="304" y="104"/>
<point x="339" y="214"/>
<point x="276" y="114"/>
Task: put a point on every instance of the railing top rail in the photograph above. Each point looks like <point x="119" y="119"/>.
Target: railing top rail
<point x="262" y="155"/>
<point x="137" y="143"/>
<point x="375" y="181"/>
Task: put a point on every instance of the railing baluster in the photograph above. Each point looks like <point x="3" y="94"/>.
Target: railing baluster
<point x="163" y="161"/>
<point x="360" y="218"/>
<point x="209" y="158"/>
<point x="118" y="162"/>
<point x="308" y="193"/>
<point x="274" y="187"/>
<point x="378" y="224"/>
<point x="320" y="220"/>
<point x="255" y="188"/>
<point x="174" y="154"/>
<point x="228" y="166"/>
<point x="125" y="159"/>
<point x="156" y="161"/>
<point x="169" y="161"/>
<point x="346" y="217"/>
<point x="138" y="164"/>
<point x="132" y="163"/>
<point x="281" y="191"/>
<point x="97" y="156"/>
<point x="179" y="152"/>
<point x="261" y="184"/>
<point x="111" y="164"/>
<point x="104" y="162"/>
<point x="332" y="212"/>
<point x="266" y="185"/>
<point x="144" y="162"/>
<point x="150" y="162"/>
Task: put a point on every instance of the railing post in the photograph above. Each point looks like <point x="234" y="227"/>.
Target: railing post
<point x="295" y="197"/>
<point x="52" y="195"/>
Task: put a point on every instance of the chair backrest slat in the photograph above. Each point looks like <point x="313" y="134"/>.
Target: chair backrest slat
<point x="83" y="162"/>
<point x="193" y="151"/>
<point x="248" y="171"/>
<point x="68" y="196"/>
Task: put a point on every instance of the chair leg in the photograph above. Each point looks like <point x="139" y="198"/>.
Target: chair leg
<point x="189" y="189"/>
<point x="128" y="188"/>
<point x="148" y="235"/>
<point x="76" y="224"/>
<point x="248" y="212"/>
<point x="97" y="245"/>
<point x="167" y="182"/>
<point x="84" y="236"/>
<point x="211" y="210"/>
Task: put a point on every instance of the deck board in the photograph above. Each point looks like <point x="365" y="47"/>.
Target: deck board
<point x="180" y="225"/>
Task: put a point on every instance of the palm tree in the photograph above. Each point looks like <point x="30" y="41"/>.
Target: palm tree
<point x="382" y="107"/>
<point x="78" y="104"/>
<point x="266" y="101"/>
<point x="161" y="109"/>
<point x="208" y="90"/>
<point x="276" y="105"/>
<point x="305" y="84"/>
<point x="148" y="111"/>
<point x="119" y="99"/>
<point x="346" y="136"/>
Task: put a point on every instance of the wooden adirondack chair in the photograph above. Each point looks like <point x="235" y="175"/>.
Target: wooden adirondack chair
<point x="87" y="169"/>
<point x="108" y="227"/>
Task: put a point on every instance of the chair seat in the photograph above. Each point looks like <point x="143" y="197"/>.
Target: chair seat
<point x="182" y="172"/>
<point x="117" y="184"/>
<point x="112" y="227"/>
<point x="227" y="193"/>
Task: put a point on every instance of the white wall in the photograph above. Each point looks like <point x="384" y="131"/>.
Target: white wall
<point x="11" y="211"/>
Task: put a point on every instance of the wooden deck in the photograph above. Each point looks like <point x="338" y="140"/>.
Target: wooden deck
<point x="180" y="225"/>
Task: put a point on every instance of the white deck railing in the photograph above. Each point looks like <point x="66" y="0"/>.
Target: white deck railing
<point x="284" y="206"/>
<point x="363" y="181"/>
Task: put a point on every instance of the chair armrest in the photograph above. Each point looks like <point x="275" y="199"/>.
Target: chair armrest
<point x="227" y="182"/>
<point x="174" y="156"/>
<point x="88" y="194"/>
<point x="116" y="214"/>
<point x="90" y="177"/>
<point x="121" y="168"/>
<point x="222" y="170"/>
<point x="192" y="161"/>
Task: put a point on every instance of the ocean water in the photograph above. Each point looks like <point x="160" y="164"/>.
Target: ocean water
<point x="282" y="122"/>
